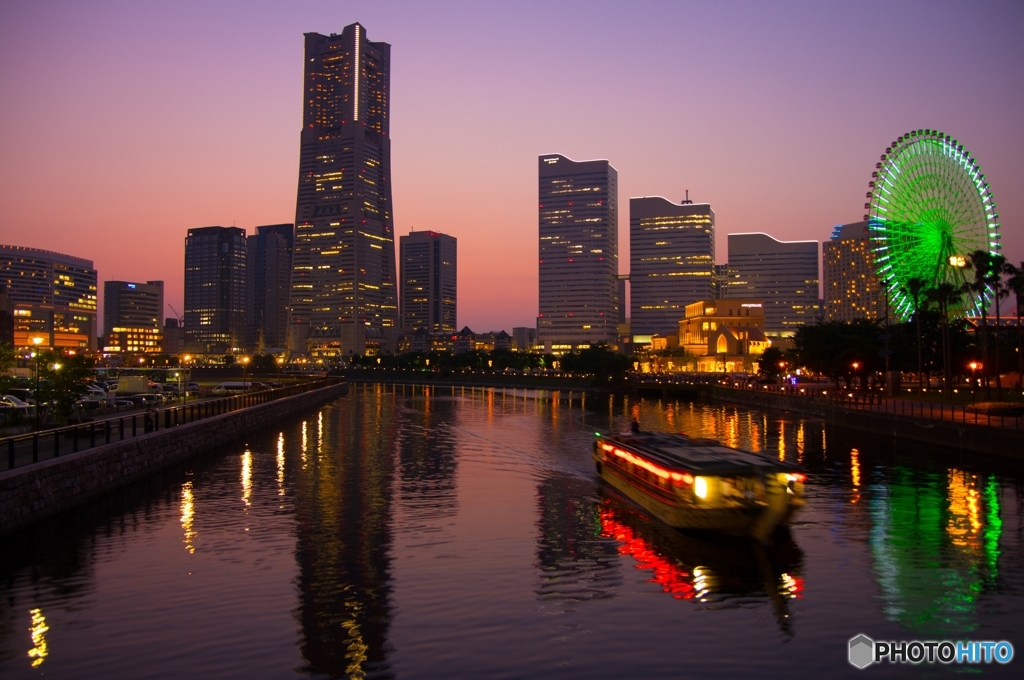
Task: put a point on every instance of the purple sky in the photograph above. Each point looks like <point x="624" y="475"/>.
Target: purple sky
<point x="122" y="124"/>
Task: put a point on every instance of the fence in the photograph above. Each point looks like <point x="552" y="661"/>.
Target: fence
<point x="31" y="448"/>
<point x="869" y="401"/>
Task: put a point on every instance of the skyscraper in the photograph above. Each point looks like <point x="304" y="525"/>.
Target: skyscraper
<point x="215" y="289"/>
<point x="852" y="289"/>
<point x="784" y="274"/>
<point x="579" y="261"/>
<point x="428" y="290"/>
<point x="268" y="272"/>
<point x="671" y="261"/>
<point x="131" y="316"/>
<point x="54" y="297"/>
<point x="343" y="297"/>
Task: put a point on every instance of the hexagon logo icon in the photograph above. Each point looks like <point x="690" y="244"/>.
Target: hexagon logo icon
<point x="862" y="651"/>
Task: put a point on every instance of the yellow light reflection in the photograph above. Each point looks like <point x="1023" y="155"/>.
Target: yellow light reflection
<point x="855" y="474"/>
<point x="782" y="440"/>
<point x="40" y="650"/>
<point x="247" y="478"/>
<point x="188" y="516"/>
<point x="320" y="433"/>
<point x="305" y="443"/>
<point x="964" y="522"/>
<point x="357" y="648"/>
<point x="280" y="464"/>
<point x="800" y="443"/>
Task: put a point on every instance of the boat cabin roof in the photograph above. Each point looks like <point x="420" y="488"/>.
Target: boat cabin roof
<point x="700" y="456"/>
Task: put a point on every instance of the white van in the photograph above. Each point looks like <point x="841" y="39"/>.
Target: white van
<point x="226" y="388"/>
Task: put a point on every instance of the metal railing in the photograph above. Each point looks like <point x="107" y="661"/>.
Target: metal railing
<point x="33" y="447"/>
<point x="852" y="399"/>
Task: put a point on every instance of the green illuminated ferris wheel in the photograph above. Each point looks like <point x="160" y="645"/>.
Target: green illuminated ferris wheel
<point x="929" y="207"/>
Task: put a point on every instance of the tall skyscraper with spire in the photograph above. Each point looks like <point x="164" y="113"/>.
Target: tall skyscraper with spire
<point x="343" y="299"/>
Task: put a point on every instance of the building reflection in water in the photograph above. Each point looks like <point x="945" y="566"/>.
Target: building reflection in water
<point x="575" y="561"/>
<point x="705" y="568"/>
<point x="427" y="466"/>
<point x="343" y="519"/>
<point x="935" y="543"/>
<point x="280" y="464"/>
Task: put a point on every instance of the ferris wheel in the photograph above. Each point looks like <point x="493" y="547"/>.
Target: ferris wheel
<point x="928" y="208"/>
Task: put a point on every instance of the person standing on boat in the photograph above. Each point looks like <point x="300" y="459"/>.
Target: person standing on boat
<point x="634" y="426"/>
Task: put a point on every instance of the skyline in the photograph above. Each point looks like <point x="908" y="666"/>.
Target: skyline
<point x="180" y="117"/>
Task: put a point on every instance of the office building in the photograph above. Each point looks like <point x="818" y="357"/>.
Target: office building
<point x="131" y="316"/>
<point x="722" y="276"/>
<point x="6" y="317"/>
<point x="173" y="336"/>
<point x="782" y="274"/>
<point x="524" y="338"/>
<point x="428" y="290"/>
<point x="268" y="274"/>
<point x="578" y="232"/>
<point x="53" y="295"/>
<point x="671" y="262"/>
<point x="215" y="282"/>
<point x="132" y="305"/>
<point x="852" y="289"/>
<point x="343" y="295"/>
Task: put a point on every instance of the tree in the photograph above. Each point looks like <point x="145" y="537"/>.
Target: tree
<point x="8" y="357"/>
<point x="999" y="293"/>
<point x="946" y="295"/>
<point x="917" y="290"/>
<point x="985" y="268"/>
<point x="64" y="380"/>
<point x="1016" y="284"/>
<point x="768" y="365"/>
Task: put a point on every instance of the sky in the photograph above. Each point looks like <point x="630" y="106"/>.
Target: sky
<point x="123" y="124"/>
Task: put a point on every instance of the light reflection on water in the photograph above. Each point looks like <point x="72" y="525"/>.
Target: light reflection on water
<point x="433" y="532"/>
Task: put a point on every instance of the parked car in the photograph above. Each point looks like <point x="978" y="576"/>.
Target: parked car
<point x="273" y="384"/>
<point x="233" y="387"/>
<point x="12" y="405"/>
<point x="23" y="393"/>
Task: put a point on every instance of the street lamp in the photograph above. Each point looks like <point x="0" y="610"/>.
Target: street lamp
<point x="245" y="386"/>
<point x="856" y="365"/>
<point x="37" y="341"/>
<point x="974" y="367"/>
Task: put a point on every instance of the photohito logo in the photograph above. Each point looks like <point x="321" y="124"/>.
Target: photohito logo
<point x="863" y="651"/>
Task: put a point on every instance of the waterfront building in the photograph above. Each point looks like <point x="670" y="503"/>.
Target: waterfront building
<point x="524" y="339"/>
<point x="54" y="297"/>
<point x="724" y="335"/>
<point x="671" y="262"/>
<point x="174" y="336"/>
<point x="852" y="289"/>
<point x="215" y="282"/>
<point x="6" y="317"/>
<point x="782" y="274"/>
<point x="428" y="284"/>
<point x="578" y="233"/>
<point x="343" y="297"/>
<point x="131" y="316"/>
<point x="268" y="278"/>
<point x="722" y="276"/>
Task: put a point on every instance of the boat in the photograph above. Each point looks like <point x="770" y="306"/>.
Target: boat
<point x="701" y="484"/>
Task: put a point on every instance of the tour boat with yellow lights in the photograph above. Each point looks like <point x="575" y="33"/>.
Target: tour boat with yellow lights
<point x="691" y="483"/>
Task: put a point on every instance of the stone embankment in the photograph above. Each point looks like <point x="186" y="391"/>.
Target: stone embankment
<point x="33" y="492"/>
<point x="1004" y="442"/>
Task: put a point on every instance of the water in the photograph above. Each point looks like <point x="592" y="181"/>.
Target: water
<point x="463" y="533"/>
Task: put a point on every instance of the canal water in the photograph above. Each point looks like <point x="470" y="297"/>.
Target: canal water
<point x="449" y="533"/>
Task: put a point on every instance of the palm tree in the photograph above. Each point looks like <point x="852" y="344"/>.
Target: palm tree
<point x="1016" y="284"/>
<point x="999" y="293"/>
<point x="981" y="262"/>
<point x="945" y="295"/>
<point x="917" y="289"/>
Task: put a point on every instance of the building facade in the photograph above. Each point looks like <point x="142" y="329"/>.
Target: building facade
<point x="268" y="279"/>
<point x="852" y="289"/>
<point x="131" y="316"/>
<point x="782" y="274"/>
<point x="343" y="288"/>
<point x="215" y="290"/>
<point x="53" y="295"/>
<point x="578" y="233"/>
<point x="724" y="335"/>
<point x="429" y="281"/>
<point x="671" y="262"/>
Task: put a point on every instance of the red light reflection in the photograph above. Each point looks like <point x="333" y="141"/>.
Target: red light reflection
<point x="671" y="578"/>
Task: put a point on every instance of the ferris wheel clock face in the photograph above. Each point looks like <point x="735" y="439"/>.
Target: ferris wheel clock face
<point x="928" y="208"/>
